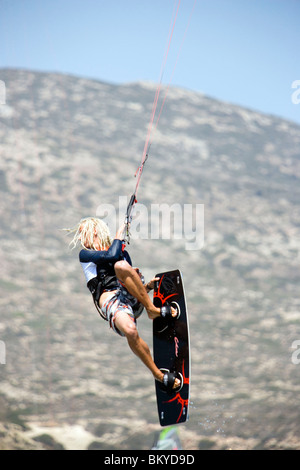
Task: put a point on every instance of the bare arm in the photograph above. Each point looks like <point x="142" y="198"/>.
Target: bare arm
<point x="150" y="285"/>
<point x="120" y="233"/>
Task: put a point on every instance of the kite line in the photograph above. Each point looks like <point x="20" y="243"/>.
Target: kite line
<point x="152" y="127"/>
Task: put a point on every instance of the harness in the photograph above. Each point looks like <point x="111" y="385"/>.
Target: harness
<point x="102" y="282"/>
<point x="105" y="282"/>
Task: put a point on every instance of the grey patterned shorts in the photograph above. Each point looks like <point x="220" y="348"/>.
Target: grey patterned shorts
<point x="121" y="301"/>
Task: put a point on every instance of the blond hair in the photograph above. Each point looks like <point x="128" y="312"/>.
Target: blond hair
<point x="84" y="233"/>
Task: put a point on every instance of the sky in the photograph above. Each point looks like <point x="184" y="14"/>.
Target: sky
<point x="246" y="52"/>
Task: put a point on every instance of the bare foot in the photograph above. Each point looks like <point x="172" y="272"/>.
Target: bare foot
<point x="160" y="378"/>
<point x="155" y="312"/>
<point x="176" y="383"/>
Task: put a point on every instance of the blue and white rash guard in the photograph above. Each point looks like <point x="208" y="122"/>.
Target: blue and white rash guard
<point x="101" y="263"/>
<point x="98" y="268"/>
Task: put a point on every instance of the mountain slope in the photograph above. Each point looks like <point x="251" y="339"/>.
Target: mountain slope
<point x="70" y="145"/>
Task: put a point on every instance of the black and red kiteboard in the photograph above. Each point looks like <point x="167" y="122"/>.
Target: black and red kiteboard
<point x="171" y="348"/>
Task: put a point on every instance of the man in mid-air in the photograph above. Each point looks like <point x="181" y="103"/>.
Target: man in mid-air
<point x="118" y="290"/>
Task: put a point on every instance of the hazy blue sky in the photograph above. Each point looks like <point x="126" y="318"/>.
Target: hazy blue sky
<point x="242" y="51"/>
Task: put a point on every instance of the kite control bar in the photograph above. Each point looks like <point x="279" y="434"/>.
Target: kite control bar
<point x="133" y="200"/>
<point x="128" y="217"/>
<point x="129" y="209"/>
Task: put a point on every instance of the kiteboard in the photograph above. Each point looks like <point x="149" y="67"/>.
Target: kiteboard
<point x="171" y="348"/>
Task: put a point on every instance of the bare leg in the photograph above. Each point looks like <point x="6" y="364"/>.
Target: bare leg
<point x="130" y="278"/>
<point x="126" y="325"/>
<point x="140" y="348"/>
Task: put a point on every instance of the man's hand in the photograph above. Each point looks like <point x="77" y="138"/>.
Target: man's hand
<point x="150" y="284"/>
<point x="121" y="232"/>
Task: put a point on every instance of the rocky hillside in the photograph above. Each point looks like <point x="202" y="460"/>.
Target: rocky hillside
<point x="69" y="145"/>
